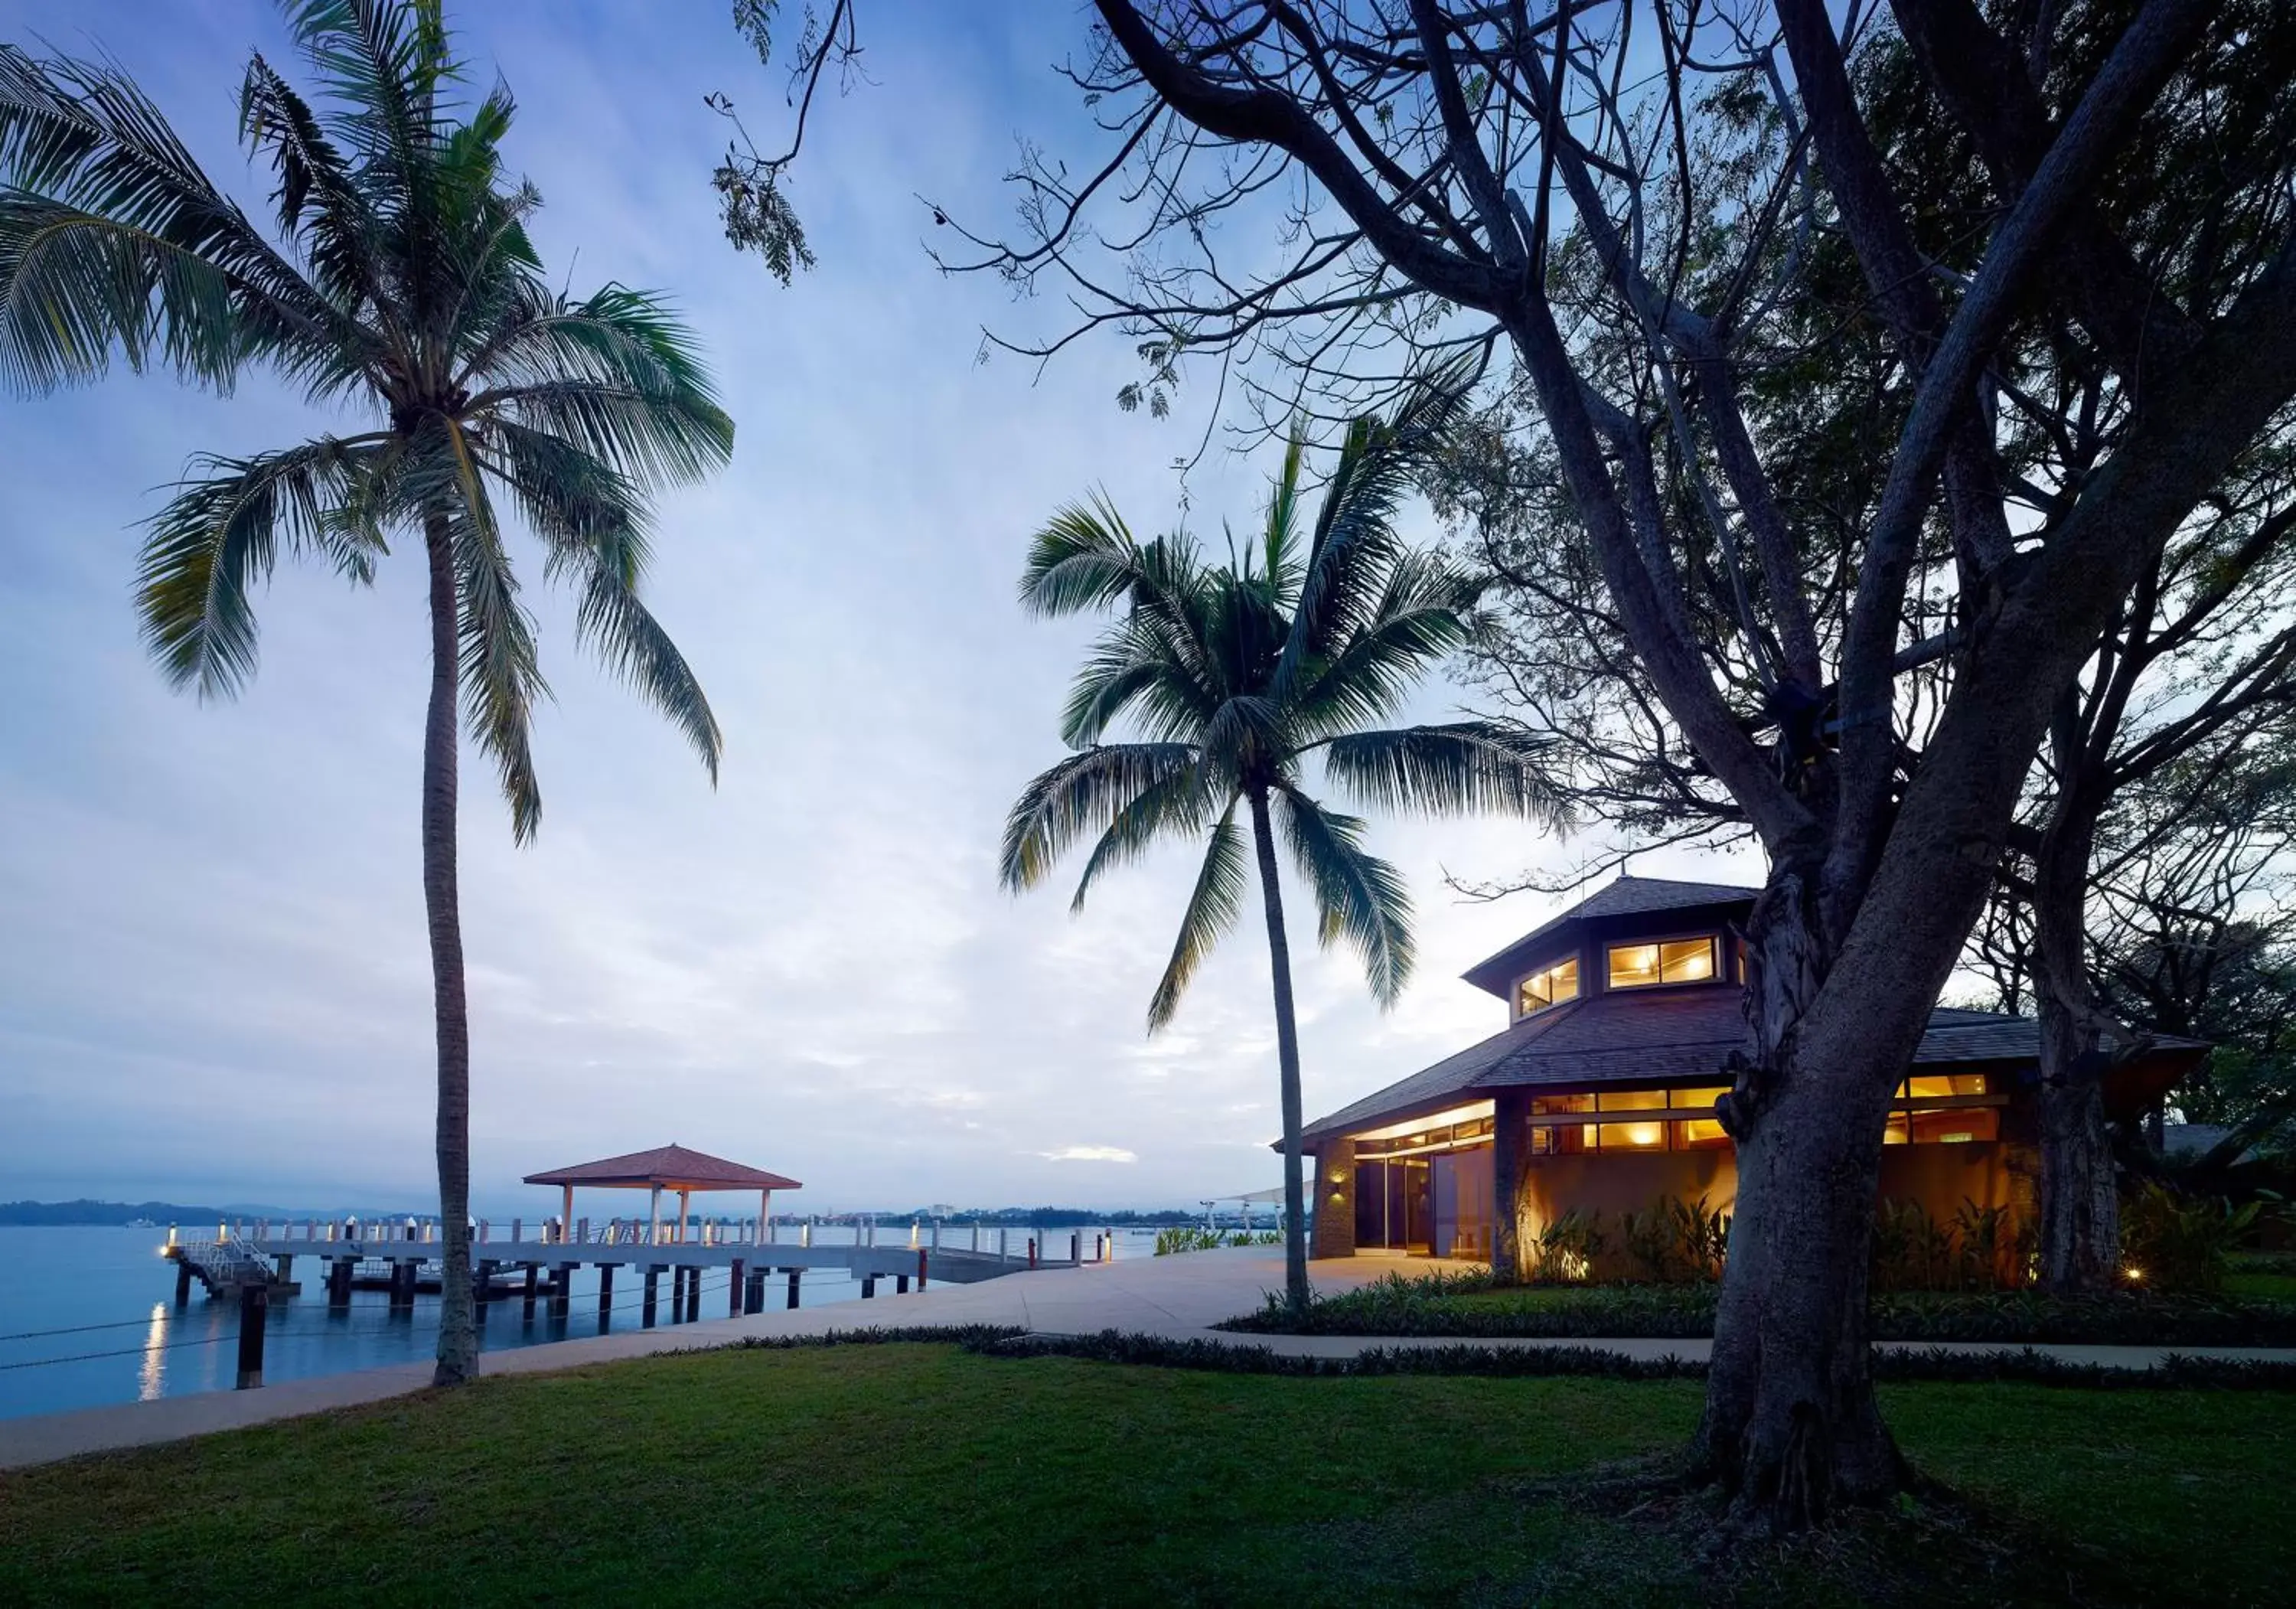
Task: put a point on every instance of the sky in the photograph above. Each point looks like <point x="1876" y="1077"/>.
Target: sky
<point x="214" y="983"/>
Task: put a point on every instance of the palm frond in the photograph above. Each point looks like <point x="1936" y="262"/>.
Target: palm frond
<point x="111" y="236"/>
<point x="1181" y="803"/>
<point x="1280" y="541"/>
<point x="1360" y="898"/>
<point x="1081" y="795"/>
<point x="1450" y="769"/>
<point x="1424" y="613"/>
<point x="223" y="531"/>
<point x="1214" y="905"/>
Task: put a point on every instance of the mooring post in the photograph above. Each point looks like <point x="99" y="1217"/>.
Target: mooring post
<point x="868" y="1286"/>
<point x="692" y="1294"/>
<point x="339" y="1282"/>
<point x="921" y="1271"/>
<point x="533" y="1277"/>
<point x="1032" y="1251"/>
<point x="605" y="1291"/>
<point x="652" y="1284"/>
<point x="482" y="1282"/>
<point x="793" y="1277"/>
<point x="254" y="1303"/>
<point x="734" y="1292"/>
<point x="900" y="1285"/>
<point x="562" y="1290"/>
<point x="753" y="1297"/>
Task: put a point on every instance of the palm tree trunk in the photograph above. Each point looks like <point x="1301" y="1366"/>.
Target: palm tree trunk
<point x="458" y="1340"/>
<point x="1287" y="1058"/>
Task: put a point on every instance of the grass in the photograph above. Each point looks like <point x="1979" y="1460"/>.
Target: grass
<point x="919" y="1473"/>
<point x="2254" y="1310"/>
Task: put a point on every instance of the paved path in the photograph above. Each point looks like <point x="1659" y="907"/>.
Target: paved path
<point x="1176" y="1298"/>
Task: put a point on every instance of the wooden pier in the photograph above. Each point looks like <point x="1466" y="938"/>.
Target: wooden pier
<point x="538" y="1262"/>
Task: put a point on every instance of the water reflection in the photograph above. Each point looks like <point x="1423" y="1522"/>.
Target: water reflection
<point x="151" y="1379"/>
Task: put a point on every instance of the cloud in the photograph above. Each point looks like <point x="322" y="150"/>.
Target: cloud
<point x="1089" y="1153"/>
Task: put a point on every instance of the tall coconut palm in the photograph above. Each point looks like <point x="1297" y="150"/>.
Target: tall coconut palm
<point x="1235" y="677"/>
<point x="402" y="291"/>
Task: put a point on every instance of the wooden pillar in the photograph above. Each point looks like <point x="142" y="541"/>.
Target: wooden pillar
<point x="753" y="1294"/>
<point x="920" y="1270"/>
<point x="1510" y="1149"/>
<point x="868" y="1286"/>
<point x="1331" y="1193"/>
<point x="482" y="1282"/>
<point x="734" y="1292"/>
<point x="561" y="1290"/>
<point x="692" y="1294"/>
<point x="652" y="1285"/>
<point x="793" y="1276"/>
<point x="605" y="1291"/>
<point x="765" y="1214"/>
<point x="684" y="1211"/>
<point x="286" y="1267"/>
<point x="653" y="1217"/>
<point x="900" y="1285"/>
<point x="254" y="1304"/>
<point x="339" y="1281"/>
<point x="533" y="1275"/>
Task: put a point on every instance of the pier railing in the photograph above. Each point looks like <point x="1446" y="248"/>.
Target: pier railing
<point x="1029" y="1244"/>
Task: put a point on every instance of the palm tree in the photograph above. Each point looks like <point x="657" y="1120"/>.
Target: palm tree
<point x="1235" y="675"/>
<point x="403" y="288"/>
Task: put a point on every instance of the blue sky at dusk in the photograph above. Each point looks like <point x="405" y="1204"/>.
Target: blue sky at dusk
<point x="213" y="976"/>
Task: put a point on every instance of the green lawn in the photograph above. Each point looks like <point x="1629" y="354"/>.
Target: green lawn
<point x="922" y="1473"/>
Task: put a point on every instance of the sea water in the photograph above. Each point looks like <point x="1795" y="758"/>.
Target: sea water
<point x="89" y="1317"/>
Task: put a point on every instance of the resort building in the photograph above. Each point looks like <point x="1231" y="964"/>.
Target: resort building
<point x="1599" y="1094"/>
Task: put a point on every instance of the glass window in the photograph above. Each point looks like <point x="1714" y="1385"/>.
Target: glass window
<point x="1674" y="961"/>
<point x="1552" y="987"/>
<point x="1632" y="1136"/>
<point x="1560" y="1142"/>
<point x="1955" y="1128"/>
<point x="1631" y="1100"/>
<point x="1556" y="1105"/>
<point x="1936" y="1085"/>
<point x="1699" y="1134"/>
<point x="1696" y="1097"/>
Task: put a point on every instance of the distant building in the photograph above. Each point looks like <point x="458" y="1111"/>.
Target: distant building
<point x="1622" y="1010"/>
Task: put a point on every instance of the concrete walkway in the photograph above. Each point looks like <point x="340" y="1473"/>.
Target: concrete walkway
<point x="1174" y="1298"/>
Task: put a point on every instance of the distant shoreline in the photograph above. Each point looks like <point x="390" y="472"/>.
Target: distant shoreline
<point x="86" y="1212"/>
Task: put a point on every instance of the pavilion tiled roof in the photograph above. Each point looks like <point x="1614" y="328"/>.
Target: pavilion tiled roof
<point x="668" y="1167"/>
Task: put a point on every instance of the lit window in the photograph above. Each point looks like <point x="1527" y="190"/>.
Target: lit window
<point x="1698" y="1133"/>
<point x="1696" y="1097"/>
<point x="1631" y="1100"/>
<point x="1936" y="1086"/>
<point x="1632" y="1136"/>
<point x="1557" y="1105"/>
<point x="1675" y="961"/>
<point x="1552" y="987"/>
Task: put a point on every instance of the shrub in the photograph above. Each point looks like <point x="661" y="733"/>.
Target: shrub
<point x="2172" y="1244"/>
<point x="1568" y="1248"/>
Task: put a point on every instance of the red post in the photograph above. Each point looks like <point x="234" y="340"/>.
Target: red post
<point x="921" y="1268"/>
<point x="1032" y="1251"/>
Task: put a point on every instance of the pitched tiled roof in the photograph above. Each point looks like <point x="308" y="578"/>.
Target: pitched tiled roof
<point x="670" y="1167"/>
<point x="1642" y="1038"/>
<point x="1622" y="897"/>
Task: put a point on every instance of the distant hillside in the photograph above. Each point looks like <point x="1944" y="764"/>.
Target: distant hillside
<point x="59" y="1213"/>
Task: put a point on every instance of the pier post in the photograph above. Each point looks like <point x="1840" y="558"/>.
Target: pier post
<point x="920" y="1272"/>
<point x="562" y="1290"/>
<point x="1076" y="1248"/>
<point x="254" y="1304"/>
<point x="793" y="1275"/>
<point x="402" y="1283"/>
<point x="517" y="1230"/>
<point x="868" y="1286"/>
<point x="339" y="1281"/>
<point x="183" y="1280"/>
<point x="652" y="1284"/>
<point x="1032" y="1251"/>
<point x="900" y="1285"/>
<point x="533" y="1277"/>
<point x="605" y="1291"/>
<point x="692" y="1294"/>
<point x="482" y="1282"/>
<point x="734" y="1292"/>
<point x="286" y="1265"/>
<point x="753" y="1296"/>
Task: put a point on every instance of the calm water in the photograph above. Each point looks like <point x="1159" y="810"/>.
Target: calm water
<point x="66" y="1278"/>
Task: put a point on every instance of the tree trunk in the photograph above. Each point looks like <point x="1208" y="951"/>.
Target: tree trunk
<point x="458" y="1340"/>
<point x="1790" y="1426"/>
<point x="2080" y="1209"/>
<point x="1287" y="1058"/>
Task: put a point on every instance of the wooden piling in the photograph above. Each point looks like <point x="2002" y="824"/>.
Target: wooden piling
<point x="692" y="1294"/>
<point x="734" y="1292"/>
<point x="652" y="1284"/>
<point x="254" y="1305"/>
<point x="605" y="1291"/>
<point x="793" y="1275"/>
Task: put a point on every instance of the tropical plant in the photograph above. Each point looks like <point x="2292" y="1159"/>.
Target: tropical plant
<point x="2169" y="1243"/>
<point x="1567" y="1247"/>
<point x="403" y="287"/>
<point x="1236" y="676"/>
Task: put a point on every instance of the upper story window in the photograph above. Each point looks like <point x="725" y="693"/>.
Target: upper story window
<point x="1668" y="961"/>
<point x="1552" y="987"/>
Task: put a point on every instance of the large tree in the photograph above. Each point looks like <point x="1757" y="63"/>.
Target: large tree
<point x="1313" y="183"/>
<point x="1241" y="679"/>
<point x="404" y="288"/>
